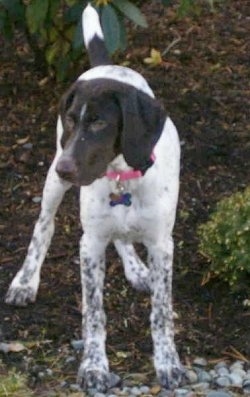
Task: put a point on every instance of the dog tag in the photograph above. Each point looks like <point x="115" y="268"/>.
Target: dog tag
<point x="121" y="198"/>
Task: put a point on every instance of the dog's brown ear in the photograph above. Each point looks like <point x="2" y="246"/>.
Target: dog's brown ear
<point x="143" y="120"/>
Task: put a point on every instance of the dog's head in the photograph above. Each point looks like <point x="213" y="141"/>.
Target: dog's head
<point x="101" y="119"/>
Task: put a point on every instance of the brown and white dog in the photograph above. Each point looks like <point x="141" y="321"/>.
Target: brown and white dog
<point x="117" y="143"/>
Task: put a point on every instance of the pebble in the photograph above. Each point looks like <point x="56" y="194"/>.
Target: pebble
<point x="114" y="380"/>
<point x="200" y="380"/>
<point x="218" y="394"/>
<point x="191" y="376"/>
<point x="222" y="381"/>
<point x="136" y="391"/>
<point x="145" y="389"/>
<point x="77" y="344"/>
<point x="37" y="199"/>
<point x="200" y="362"/>
<point x="202" y="386"/>
<point x="236" y="379"/>
<point x="204" y="376"/>
<point x="222" y="371"/>
<point x="181" y="392"/>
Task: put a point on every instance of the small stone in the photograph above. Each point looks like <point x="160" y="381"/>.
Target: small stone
<point x="114" y="380"/>
<point x="218" y="394"/>
<point x="213" y="373"/>
<point x="28" y="146"/>
<point x="201" y="386"/>
<point x="70" y="360"/>
<point x="181" y="392"/>
<point x="220" y="364"/>
<point x="64" y="384"/>
<point x="49" y="372"/>
<point x="123" y="392"/>
<point x="235" y="379"/>
<point x="200" y="362"/>
<point x="191" y="376"/>
<point x="222" y="371"/>
<point x="155" y="389"/>
<point x="135" y="391"/>
<point x="236" y="365"/>
<point x="222" y="381"/>
<point x="239" y="372"/>
<point x="77" y="344"/>
<point x="98" y="394"/>
<point x="92" y="392"/>
<point x="246" y="384"/>
<point x="145" y="389"/>
<point x="204" y="376"/>
<point x="166" y="393"/>
<point x="37" y="199"/>
<point x="74" y="387"/>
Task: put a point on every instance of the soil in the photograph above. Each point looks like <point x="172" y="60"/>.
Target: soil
<point x="203" y="82"/>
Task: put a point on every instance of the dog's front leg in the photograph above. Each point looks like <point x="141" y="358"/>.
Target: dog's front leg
<point x="94" y="369"/>
<point x="24" y="286"/>
<point x="166" y="359"/>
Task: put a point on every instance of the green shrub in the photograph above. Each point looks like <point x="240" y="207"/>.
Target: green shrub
<point x="225" y="240"/>
<point x="53" y="27"/>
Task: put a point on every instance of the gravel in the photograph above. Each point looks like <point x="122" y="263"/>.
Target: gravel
<point x="201" y="379"/>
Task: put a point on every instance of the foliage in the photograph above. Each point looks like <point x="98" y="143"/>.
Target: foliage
<point x="225" y="240"/>
<point x="53" y="27"/>
<point x="14" y="384"/>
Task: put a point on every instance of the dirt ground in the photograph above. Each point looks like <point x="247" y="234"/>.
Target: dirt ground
<point x="204" y="84"/>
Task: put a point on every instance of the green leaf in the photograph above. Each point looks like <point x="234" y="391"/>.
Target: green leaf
<point x="185" y="7"/>
<point x="131" y="11"/>
<point x="53" y="9"/>
<point x="111" y="28"/>
<point x="166" y="2"/>
<point x="73" y="13"/>
<point x="123" y="36"/>
<point x="36" y="13"/>
<point x="77" y="41"/>
<point x="15" y="9"/>
<point x="5" y="25"/>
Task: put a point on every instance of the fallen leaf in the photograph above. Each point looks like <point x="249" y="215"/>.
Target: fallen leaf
<point x="155" y="58"/>
<point x="13" y="347"/>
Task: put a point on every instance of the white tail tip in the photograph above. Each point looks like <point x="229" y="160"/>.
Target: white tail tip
<point x="91" y="25"/>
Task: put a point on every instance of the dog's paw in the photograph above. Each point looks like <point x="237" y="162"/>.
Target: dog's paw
<point x="170" y="373"/>
<point x="171" y="378"/>
<point x="93" y="379"/>
<point x="20" y="295"/>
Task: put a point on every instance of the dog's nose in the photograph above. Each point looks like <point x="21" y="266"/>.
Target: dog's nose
<point x="66" y="168"/>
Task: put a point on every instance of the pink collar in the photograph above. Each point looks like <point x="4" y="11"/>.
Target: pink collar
<point x="126" y="175"/>
<point x="123" y="175"/>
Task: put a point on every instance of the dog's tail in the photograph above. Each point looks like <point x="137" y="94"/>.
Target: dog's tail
<point x="93" y="37"/>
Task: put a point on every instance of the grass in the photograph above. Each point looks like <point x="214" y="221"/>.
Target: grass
<point x="14" y="384"/>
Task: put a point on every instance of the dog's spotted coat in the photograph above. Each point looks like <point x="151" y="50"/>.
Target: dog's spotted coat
<point x="109" y="120"/>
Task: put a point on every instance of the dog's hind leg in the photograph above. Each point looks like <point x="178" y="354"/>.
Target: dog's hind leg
<point x="135" y="270"/>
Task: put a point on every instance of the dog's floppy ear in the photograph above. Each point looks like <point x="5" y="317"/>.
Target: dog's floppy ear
<point x="67" y="101"/>
<point x="143" y="120"/>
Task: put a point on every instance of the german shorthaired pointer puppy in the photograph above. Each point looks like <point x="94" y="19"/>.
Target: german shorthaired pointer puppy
<point x="115" y="141"/>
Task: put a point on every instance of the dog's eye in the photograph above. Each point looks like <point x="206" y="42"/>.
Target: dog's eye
<point x="97" y="125"/>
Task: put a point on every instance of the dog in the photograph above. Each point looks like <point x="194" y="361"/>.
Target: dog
<point x="116" y="142"/>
